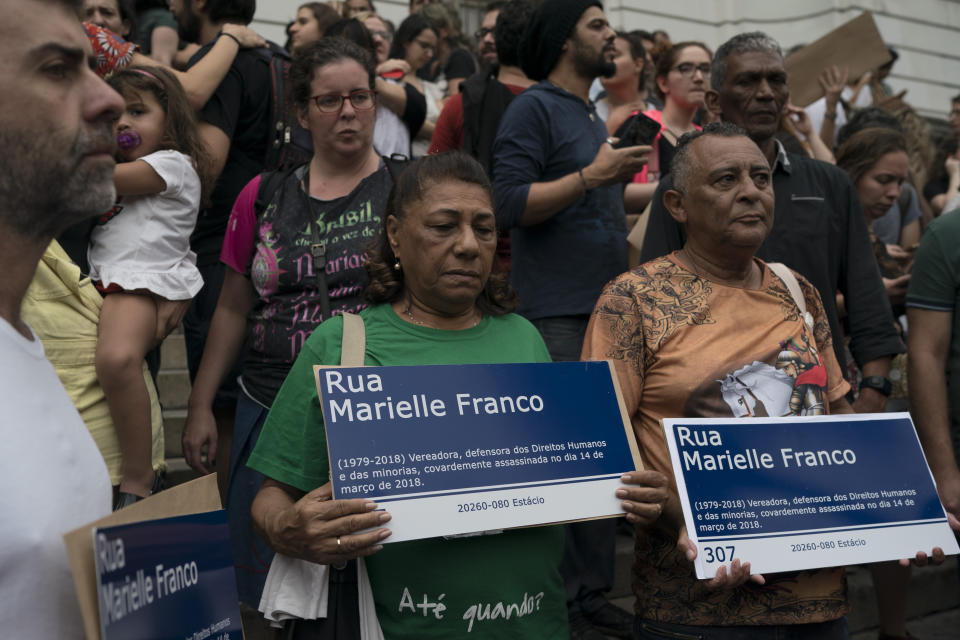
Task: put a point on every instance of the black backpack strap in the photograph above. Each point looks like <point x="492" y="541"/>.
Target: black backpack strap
<point x="485" y="100"/>
<point x="472" y="90"/>
<point x="288" y="144"/>
<point x="395" y="164"/>
<point x="270" y="183"/>
<point x="277" y="98"/>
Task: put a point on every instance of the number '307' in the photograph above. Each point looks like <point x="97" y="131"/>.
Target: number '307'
<point x="718" y="554"/>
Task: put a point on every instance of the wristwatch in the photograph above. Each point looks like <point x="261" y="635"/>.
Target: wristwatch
<point x="877" y="383"/>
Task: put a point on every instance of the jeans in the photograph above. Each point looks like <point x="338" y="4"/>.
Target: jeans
<point x="650" y="630"/>
<point x="251" y="555"/>
<point x="588" y="551"/>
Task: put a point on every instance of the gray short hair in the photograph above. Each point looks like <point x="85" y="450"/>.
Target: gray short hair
<point x="740" y="43"/>
<point x="681" y="167"/>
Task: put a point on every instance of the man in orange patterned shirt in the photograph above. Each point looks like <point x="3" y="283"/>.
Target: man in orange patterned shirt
<point x="711" y="331"/>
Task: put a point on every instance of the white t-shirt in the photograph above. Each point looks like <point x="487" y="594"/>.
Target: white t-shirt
<point x="144" y="242"/>
<point x="52" y="480"/>
<point x="390" y="135"/>
<point x="817" y="109"/>
<point x="434" y="95"/>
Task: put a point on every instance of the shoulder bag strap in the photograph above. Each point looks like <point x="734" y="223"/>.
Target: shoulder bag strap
<point x="354" y="341"/>
<point x="783" y="272"/>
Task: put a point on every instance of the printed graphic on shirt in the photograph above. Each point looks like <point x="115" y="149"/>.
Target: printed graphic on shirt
<point x="475" y="614"/>
<point x="283" y="273"/>
<point x="793" y="386"/>
<point x="692" y="348"/>
<point x="284" y="264"/>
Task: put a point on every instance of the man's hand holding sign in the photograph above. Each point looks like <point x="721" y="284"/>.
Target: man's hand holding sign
<point x="799" y="493"/>
<point x="709" y="332"/>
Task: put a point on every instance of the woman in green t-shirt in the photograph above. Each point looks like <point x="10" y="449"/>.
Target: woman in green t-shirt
<point x="434" y="301"/>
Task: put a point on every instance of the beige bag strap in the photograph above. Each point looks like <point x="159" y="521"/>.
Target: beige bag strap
<point x="783" y="272"/>
<point x="636" y="236"/>
<point x="354" y="343"/>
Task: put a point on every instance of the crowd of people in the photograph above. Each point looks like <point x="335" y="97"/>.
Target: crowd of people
<point x="470" y="199"/>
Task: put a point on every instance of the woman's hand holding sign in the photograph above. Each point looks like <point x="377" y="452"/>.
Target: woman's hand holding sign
<point x="315" y="527"/>
<point x="645" y="496"/>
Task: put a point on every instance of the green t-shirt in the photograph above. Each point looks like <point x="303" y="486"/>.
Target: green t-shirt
<point x="935" y="286"/>
<point x="494" y="586"/>
<point x="149" y="20"/>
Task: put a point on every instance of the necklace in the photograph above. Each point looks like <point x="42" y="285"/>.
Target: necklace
<point x="407" y="312"/>
<point x="667" y="127"/>
<point x="672" y="133"/>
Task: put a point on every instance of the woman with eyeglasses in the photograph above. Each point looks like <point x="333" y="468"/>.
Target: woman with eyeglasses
<point x="682" y="81"/>
<point x="416" y="43"/>
<point x="294" y="250"/>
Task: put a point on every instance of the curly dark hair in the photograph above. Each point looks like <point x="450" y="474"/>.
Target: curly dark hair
<point x="355" y="31"/>
<point x="410" y="187"/>
<point x="508" y="31"/>
<point x="321" y="53"/>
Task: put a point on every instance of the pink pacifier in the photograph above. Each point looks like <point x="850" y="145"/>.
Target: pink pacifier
<point x="128" y="139"/>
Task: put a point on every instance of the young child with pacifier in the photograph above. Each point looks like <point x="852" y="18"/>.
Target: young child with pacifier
<point x="140" y="253"/>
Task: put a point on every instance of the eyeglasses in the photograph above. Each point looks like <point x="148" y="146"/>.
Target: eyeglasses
<point x="482" y="33"/>
<point x="385" y="35"/>
<point x="361" y="99"/>
<point x="426" y="46"/>
<point x="687" y="69"/>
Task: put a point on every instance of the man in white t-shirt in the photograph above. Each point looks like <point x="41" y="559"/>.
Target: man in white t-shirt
<point x="56" y="169"/>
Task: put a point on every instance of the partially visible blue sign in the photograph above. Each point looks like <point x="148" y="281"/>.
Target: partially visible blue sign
<point x="167" y="579"/>
<point x="501" y="439"/>
<point x="805" y="492"/>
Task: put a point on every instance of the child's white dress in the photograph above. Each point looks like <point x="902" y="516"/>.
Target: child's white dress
<point x="144" y="241"/>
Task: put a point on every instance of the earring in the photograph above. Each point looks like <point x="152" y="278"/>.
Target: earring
<point x="396" y="265"/>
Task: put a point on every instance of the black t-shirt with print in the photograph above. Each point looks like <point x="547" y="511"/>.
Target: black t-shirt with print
<point x="288" y="308"/>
